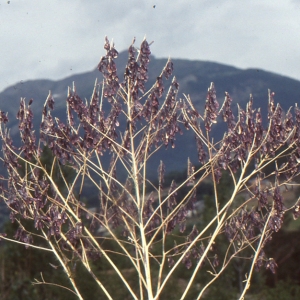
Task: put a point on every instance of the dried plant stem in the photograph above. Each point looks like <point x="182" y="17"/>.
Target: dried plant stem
<point x="257" y="251"/>
<point x="138" y="216"/>
<point x="66" y="269"/>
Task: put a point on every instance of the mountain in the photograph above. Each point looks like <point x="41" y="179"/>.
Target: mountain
<point x="194" y="78"/>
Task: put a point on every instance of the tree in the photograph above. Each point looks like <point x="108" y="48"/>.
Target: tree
<point x="148" y="223"/>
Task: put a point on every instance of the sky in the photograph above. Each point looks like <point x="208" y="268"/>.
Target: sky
<point x="50" y="39"/>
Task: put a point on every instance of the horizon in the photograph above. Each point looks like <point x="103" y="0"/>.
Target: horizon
<point x="43" y="39"/>
<point x="163" y="58"/>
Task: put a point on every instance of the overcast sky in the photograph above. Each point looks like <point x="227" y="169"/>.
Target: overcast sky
<point x="55" y="39"/>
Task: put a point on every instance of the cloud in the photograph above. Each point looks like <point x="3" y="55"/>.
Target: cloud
<point x="54" y="39"/>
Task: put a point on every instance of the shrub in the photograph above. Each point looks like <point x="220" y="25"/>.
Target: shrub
<point x="144" y="221"/>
